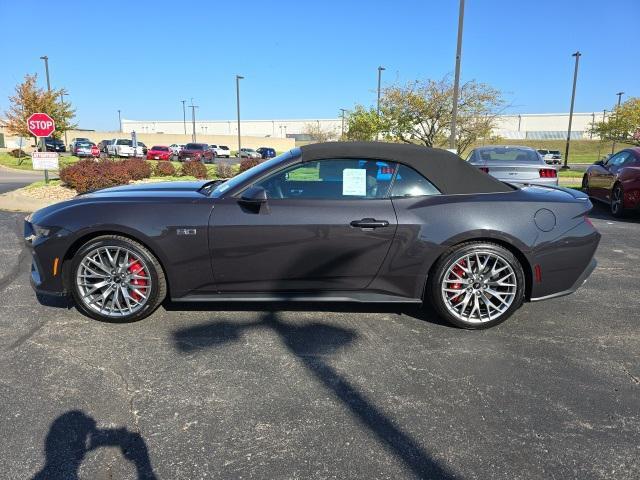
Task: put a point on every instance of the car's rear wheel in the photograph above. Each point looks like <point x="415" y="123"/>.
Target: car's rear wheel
<point x="116" y="279"/>
<point x="477" y="285"/>
<point x="617" y="201"/>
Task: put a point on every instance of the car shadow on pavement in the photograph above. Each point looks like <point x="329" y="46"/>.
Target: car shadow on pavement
<point x="310" y="344"/>
<point x="601" y="212"/>
<point x="74" y="434"/>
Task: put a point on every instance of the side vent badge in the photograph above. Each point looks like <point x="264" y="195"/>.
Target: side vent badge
<point x="186" y="231"/>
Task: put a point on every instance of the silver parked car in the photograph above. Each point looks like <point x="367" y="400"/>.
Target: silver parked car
<point x="513" y="164"/>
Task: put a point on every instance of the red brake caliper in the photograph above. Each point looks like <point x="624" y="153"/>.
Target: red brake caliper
<point x="457" y="286"/>
<point x="136" y="268"/>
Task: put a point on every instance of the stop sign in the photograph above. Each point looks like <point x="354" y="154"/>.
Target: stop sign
<point x="41" y="125"/>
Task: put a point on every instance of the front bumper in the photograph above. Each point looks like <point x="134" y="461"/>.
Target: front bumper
<point x="46" y="272"/>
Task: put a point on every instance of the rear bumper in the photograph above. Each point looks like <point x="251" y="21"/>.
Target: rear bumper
<point x="576" y="285"/>
<point x="564" y="263"/>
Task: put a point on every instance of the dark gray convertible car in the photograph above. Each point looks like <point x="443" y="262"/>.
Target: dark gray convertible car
<point x="359" y="222"/>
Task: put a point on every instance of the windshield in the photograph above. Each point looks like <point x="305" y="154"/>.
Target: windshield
<point x="160" y="149"/>
<point x="124" y="142"/>
<point x="506" y="154"/>
<point x="254" y="171"/>
<point x="194" y="146"/>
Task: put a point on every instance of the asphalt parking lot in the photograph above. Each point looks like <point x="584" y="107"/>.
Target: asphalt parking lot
<point x="314" y="393"/>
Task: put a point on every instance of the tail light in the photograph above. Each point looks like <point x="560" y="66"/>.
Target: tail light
<point x="484" y="169"/>
<point x="386" y="170"/>
<point x="548" y="173"/>
<point x="588" y="221"/>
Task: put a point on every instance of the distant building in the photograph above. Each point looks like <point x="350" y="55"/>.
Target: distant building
<point x="534" y="126"/>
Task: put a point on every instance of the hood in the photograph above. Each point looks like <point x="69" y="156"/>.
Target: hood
<point x="148" y="189"/>
<point x="150" y="192"/>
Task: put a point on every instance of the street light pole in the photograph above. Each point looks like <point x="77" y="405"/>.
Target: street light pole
<point x="456" y="81"/>
<point x="342" y="110"/>
<point x="46" y="69"/>
<point x="65" y="130"/>
<point x="573" y="97"/>
<point x="119" y="121"/>
<point x="43" y="147"/>
<point x="613" y="145"/>
<point x="380" y="70"/>
<point x="238" y="78"/>
<point x="184" y="116"/>
<point x="193" y="121"/>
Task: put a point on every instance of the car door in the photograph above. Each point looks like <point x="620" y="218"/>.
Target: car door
<point x="325" y="225"/>
<point x="608" y="174"/>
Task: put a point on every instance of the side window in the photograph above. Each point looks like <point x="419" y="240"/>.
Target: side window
<point x="332" y="179"/>
<point x="409" y="183"/>
<point x="617" y="160"/>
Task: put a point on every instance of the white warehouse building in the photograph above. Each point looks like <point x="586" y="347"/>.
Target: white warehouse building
<point x="535" y="126"/>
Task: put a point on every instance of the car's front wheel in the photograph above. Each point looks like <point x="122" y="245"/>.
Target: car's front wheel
<point x="477" y="285"/>
<point x="116" y="279"/>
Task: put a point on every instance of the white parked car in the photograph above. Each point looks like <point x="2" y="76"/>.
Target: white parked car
<point x="221" y="151"/>
<point x="122" y="147"/>
<point x="248" y="153"/>
<point x="176" y="148"/>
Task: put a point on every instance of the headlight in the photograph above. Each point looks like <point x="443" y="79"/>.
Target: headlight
<point x="41" y="232"/>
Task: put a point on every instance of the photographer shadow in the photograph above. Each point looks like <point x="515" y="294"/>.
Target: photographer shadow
<point x="74" y="434"/>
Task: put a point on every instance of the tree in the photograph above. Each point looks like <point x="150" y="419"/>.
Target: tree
<point x="364" y="124"/>
<point x="623" y="125"/>
<point x="421" y="112"/>
<point x="317" y="134"/>
<point x="30" y="99"/>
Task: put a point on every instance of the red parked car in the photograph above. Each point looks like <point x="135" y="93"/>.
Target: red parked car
<point x="196" y="151"/>
<point x="616" y="181"/>
<point x="159" y="152"/>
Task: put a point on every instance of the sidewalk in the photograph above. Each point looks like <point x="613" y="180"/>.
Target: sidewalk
<point x="16" y="201"/>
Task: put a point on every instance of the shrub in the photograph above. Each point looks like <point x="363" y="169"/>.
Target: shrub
<point x="194" y="169"/>
<point x="137" y="168"/>
<point x="87" y="175"/>
<point x="224" y="170"/>
<point x="248" y="163"/>
<point x="16" y="152"/>
<point x="164" y="169"/>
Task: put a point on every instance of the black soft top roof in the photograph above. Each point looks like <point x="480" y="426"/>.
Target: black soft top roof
<point x="445" y="170"/>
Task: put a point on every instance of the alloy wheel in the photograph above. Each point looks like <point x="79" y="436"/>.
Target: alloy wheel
<point x="616" y="200"/>
<point x="113" y="281"/>
<point x="479" y="287"/>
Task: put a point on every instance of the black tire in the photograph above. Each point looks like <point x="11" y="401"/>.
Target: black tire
<point x="435" y="294"/>
<point x="158" y="289"/>
<point x="585" y="184"/>
<point x="617" y="208"/>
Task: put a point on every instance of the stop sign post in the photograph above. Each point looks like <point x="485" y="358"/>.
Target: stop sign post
<point x="41" y="125"/>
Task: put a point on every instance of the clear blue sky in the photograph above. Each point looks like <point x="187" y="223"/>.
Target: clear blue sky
<point x="304" y="59"/>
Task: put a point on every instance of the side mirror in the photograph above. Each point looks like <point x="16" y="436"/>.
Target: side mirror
<point x="599" y="162"/>
<point x="254" y="195"/>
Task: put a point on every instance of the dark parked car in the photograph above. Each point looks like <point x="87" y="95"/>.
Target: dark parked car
<point x="616" y="181"/>
<point x="196" y="151"/>
<point x="102" y="146"/>
<point x="266" y="152"/>
<point x="54" y="145"/>
<point x="359" y="222"/>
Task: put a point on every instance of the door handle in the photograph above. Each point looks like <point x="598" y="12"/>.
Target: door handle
<point x="369" y="223"/>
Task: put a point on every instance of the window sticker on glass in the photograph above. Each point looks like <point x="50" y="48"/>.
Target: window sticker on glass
<point x="354" y="182"/>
